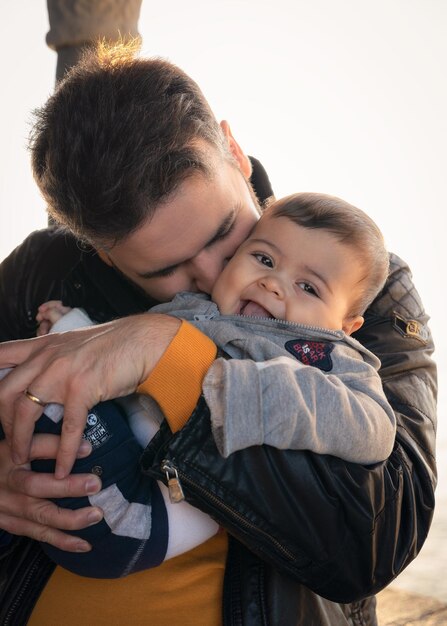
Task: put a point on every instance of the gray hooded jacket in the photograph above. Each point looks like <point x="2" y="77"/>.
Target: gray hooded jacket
<point x="325" y="383"/>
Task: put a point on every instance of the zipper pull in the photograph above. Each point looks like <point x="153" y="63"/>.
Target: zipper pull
<point x="174" y="485"/>
<point x="204" y="317"/>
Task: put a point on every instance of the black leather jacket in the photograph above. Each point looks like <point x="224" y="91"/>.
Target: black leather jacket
<point x="308" y="532"/>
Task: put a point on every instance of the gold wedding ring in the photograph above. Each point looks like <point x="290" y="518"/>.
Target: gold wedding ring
<point x="34" y="398"/>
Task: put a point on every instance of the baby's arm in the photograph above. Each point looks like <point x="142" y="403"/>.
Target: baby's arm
<point x="288" y="405"/>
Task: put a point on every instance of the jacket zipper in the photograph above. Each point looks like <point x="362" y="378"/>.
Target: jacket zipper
<point x="333" y="333"/>
<point x="175" y="487"/>
<point x="336" y="334"/>
<point x="24" y="587"/>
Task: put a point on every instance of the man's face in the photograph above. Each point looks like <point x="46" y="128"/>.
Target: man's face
<point x="190" y="237"/>
<point x="285" y="271"/>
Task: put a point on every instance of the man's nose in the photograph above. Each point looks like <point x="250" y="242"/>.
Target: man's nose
<point x="205" y="268"/>
<point x="273" y="285"/>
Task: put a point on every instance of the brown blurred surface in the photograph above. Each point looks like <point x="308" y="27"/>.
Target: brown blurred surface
<point x="400" y="608"/>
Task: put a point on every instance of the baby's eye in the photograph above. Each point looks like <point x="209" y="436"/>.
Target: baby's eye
<point x="307" y="288"/>
<point x="263" y="258"/>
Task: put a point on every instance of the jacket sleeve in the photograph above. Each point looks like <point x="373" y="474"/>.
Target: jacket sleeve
<point x="344" y="530"/>
<point x="288" y="405"/>
<point x="30" y="275"/>
<point x="15" y="322"/>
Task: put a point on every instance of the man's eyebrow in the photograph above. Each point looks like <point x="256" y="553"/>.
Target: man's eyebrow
<point x="224" y="229"/>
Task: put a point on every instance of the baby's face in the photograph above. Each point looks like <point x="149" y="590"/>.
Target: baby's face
<point x="285" y="271"/>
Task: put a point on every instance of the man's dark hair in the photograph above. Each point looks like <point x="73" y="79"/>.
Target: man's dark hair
<point x="350" y="226"/>
<point x="116" y="138"/>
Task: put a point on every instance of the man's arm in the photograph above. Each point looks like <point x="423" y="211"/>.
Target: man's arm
<point x="77" y="369"/>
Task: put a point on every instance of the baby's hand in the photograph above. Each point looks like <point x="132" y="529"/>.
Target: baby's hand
<point x="48" y="314"/>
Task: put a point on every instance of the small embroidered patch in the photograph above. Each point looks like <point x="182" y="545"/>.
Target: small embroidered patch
<point x="95" y="432"/>
<point x="410" y="328"/>
<point x="316" y="353"/>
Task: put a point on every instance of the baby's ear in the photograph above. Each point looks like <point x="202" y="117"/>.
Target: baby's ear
<point x="351" y="324"/>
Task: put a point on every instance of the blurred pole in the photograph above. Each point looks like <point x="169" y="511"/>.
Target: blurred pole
<point x="76" y="24"/>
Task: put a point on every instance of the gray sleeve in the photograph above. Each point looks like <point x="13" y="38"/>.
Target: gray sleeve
<point x="288" y="405"/>
<point x="76" y="318"/>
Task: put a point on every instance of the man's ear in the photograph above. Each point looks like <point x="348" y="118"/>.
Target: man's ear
<point x="104" y="257"/>
<point x="351" y="324"/>
<point x="235" y="149"/>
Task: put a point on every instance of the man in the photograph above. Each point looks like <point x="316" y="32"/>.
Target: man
<point x="314" y="527"/>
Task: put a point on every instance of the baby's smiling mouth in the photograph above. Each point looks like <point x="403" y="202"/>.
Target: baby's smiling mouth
<point x="253" y="309"/>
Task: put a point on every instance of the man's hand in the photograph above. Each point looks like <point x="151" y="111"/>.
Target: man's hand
<point x="77" y="369"/>
<point x="22" y="510"/>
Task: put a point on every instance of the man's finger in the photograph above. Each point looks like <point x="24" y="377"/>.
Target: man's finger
<point x="57" y="538"/>
<point x="26" y="414"/>
<point x="73" y="425"/>
<point x="47" y="513"/>
<point x="12" y="389"/>
<point x="46" y="447"/>
<point x="42" y="485"/>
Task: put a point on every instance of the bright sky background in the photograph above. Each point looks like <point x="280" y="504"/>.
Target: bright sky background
<point x="346" y="97"/>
